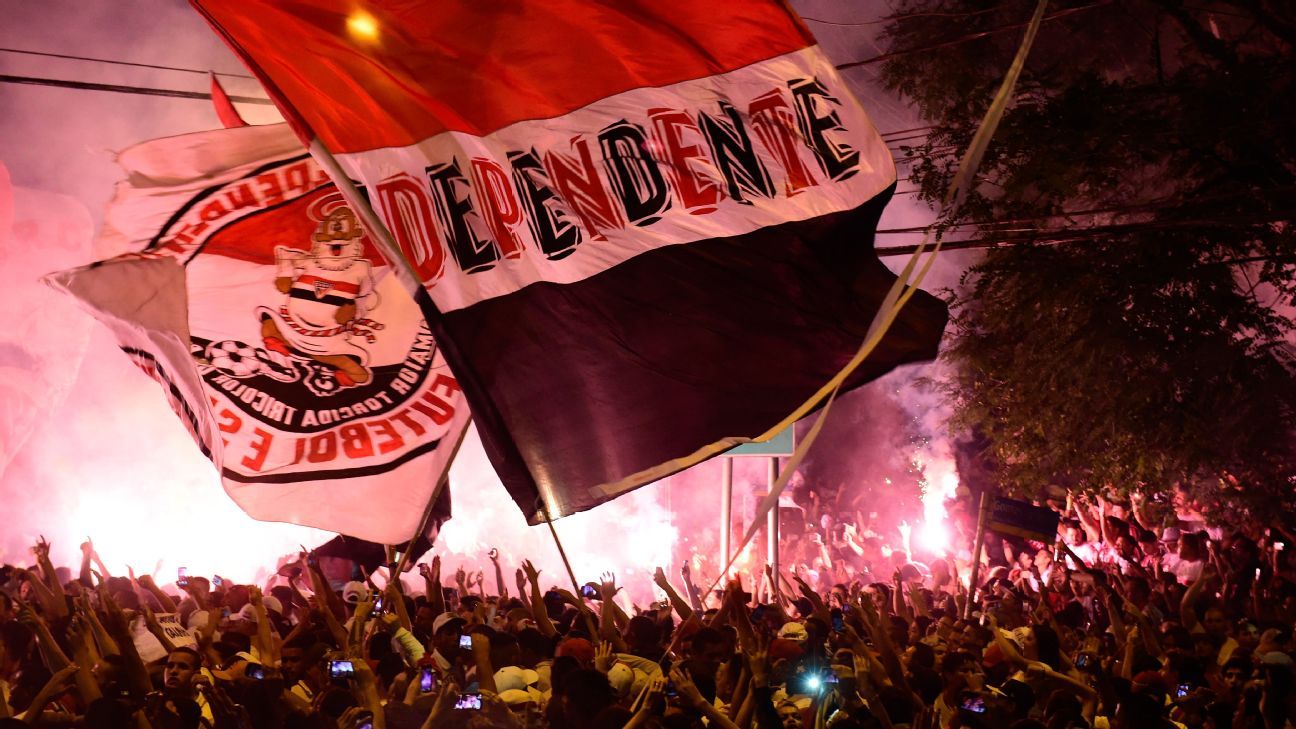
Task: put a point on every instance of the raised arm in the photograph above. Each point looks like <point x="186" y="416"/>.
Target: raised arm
<point x="683" y="608"/>
<point x="49" y="648"/>
<point x="500" y="587"/>
<point x="694" y="599"/>
<point x="607" y="615"/>
<point x="1187" y="613"/>
<point x="432" y="585"/>
<point x="539" y="611"/>
<point x="325" y="598"/>
<point x="482" y="659"/>
<point x="164" y="600"/>
<point x="155" y="628"/>
<point x="137" y="675"/>
<point x="1092" y="528"/>
<point x="266" y="644"/>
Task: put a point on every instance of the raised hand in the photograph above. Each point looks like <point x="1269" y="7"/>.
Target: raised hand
<point x="520" y="578"/>
<point x="688" y="690"/>
<point x="254" y="595"/>
<point x="659" y="578"/>
<point x="150" y="619"/>
<point x="532" y="573"/>
<point x="607" y="585"/>
<point x="603" y="658"/>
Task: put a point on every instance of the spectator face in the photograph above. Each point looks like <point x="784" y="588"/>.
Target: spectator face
<point x="180" y="669"/>
<point x="291" y="662"/>
<point x="965" y="676"/>
<point x="1234" y="677"/>
<point x="1216" y="623"/>
<point x="1074" y="536"/>
<point x="789" y="714"/>
<point x="446" y="642"/>
<point x="708" y="659"/>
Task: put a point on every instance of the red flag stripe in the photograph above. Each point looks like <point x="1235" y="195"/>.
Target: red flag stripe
<point x="486" y="68"/>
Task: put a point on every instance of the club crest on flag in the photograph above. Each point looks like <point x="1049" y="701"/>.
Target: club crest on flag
<point x="313" y="320"/>
<point x="256" y="299"/>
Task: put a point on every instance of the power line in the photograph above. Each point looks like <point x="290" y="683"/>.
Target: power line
<point x="969" y="37"/>
<point x="114" y="62"/>
<point x="120" y="89"/>
<point x="1050" y="237"/>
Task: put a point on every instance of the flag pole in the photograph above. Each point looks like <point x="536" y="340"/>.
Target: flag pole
<point x="978" y="546"/>
<point x="442" y="482"/>
<point x="409" y="280"/>
<point x="360" y="204"/>
<point x="571" y="574"/>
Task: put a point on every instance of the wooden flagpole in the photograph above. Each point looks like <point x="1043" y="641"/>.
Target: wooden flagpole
<point x="571" y="574"/>
<point x="431" y="506"/>
<point x="409" y="281"/>
<point x="978" y="545"/>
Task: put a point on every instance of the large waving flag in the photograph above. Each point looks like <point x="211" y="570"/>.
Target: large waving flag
<point x="645" y="225"/>
<point x="300" y="366"/>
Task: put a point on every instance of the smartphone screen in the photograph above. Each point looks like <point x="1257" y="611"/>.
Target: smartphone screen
<point x="465" y="642"/>
<point x="1184" y="690"/>
<point x="469" y="702"/>
<point x="975" y="704"/>
<point x="588" y="591"/>
<point x="254" y="671"/>
<point x="341" y="669"/>
<point x="838" y="624"/>
<point x="427" y="681"/>
<point x="182" y="576"/>
<point x="217" y="582"/>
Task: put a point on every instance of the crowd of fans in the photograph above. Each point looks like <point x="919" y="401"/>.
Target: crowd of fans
<point x="1121" y="623"/>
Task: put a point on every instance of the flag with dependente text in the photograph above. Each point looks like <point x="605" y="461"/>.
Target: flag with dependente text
<point x="645" y="227"/>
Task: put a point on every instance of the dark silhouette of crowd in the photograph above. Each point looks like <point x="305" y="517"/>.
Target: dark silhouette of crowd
<point x="1120" y="623"/>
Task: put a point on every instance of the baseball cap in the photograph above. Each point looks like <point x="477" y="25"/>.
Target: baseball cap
<point x="515" y="677"/>
<point x="793" y="631"/>
<point x="517" y="697"/>
<point x="621" y="677"/>
<point x="352" y="592"/>
<point x="1170" y="534"/>
<point x="445" y="619"/>
<point x="579" y="648"/>
<point x="1276" y="658"/>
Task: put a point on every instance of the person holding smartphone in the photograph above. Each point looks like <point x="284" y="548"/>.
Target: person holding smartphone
<point x="447" y="630"/>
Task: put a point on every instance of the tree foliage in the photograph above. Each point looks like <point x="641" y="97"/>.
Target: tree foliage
<point x="1136" y="329"/>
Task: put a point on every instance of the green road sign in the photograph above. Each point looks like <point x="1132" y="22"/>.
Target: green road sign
<point x="782" y="444"/>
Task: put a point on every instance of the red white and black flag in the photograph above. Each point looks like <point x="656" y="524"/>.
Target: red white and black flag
<point x="646" y="227"/>
<point x="299" y="365"/>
